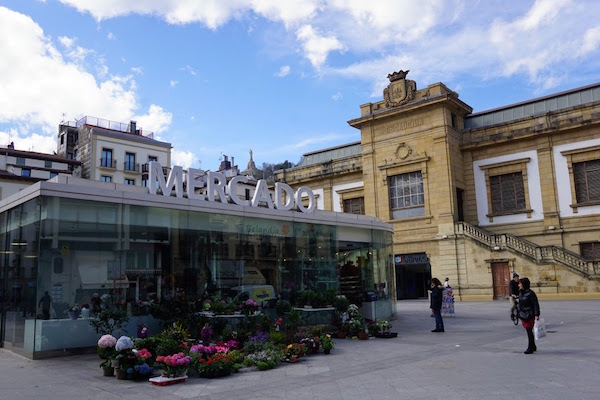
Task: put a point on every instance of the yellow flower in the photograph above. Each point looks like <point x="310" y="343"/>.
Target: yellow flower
<point x="328" y="336"/>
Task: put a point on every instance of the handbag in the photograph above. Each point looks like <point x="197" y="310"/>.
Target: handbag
<point x="539" y="329"/>
<point x="525" y="315"/>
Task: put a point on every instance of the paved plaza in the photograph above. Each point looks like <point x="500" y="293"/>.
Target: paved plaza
<point x="480" y="356"/>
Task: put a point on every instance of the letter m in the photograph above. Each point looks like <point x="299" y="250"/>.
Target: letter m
<point x="156" y="180"/>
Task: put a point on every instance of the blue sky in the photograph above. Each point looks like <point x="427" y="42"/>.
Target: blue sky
<point x="282" y="78"/>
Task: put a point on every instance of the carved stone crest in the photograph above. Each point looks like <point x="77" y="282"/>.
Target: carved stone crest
<point x="399" y="91"/>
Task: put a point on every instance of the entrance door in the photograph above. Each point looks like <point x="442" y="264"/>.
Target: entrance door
<point x="500" y="279"/>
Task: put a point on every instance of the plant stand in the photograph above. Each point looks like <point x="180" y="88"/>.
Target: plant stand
<point x="386" y="335"/>
<point x="164" y="381"/>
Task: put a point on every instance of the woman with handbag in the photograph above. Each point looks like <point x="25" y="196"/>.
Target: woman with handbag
<point x="529" y="311"/>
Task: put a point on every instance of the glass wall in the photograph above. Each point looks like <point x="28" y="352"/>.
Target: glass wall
<point x="60" y="252"/>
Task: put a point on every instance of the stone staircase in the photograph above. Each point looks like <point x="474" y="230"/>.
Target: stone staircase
<point x="530" y="250"/>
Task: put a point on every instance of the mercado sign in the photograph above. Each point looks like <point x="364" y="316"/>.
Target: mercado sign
<point x="217" y="189"/>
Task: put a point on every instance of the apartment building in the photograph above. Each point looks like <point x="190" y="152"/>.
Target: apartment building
<point x="111" y="151"/>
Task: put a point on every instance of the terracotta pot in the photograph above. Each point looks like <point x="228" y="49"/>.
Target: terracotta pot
<point x="108" y="371"/>
<point x="342" y="334"/>
<point x="363" y="335"/>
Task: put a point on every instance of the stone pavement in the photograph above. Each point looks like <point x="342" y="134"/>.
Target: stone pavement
<point x="480" y="356"/>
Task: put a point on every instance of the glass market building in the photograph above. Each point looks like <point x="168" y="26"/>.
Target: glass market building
<point x="75" y="238"/>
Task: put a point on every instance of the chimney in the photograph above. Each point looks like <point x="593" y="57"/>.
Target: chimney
<point x="132" y="125"/>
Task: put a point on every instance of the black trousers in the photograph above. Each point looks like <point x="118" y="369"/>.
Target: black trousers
<point x="531" y="339"/>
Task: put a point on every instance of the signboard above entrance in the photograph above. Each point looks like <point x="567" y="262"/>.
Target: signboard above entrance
<point x="217" y="189"/>
<point x="415" y="258"/>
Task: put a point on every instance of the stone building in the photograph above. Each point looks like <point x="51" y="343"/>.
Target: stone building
<point x="473" y="196"/>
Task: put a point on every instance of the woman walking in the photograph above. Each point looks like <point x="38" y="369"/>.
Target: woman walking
<point x="436" y="304"/>
<point x="529" y="311"/>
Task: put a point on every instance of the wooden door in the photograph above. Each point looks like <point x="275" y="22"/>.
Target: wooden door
<point x="500" y="279"/>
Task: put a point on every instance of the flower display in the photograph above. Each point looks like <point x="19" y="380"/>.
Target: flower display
<point x="107" y="341"/>
<point x="206" y="333"/>
<point x="327" y="343"/>
<point x="124" y="343"/>
<point x="250" y="306"/>
<point x="311" y="344"/>
<point x="219" y="364"/>
<point x="75" y="308"/>
<point x="106" y="349"/>
<point x="140" y="370"/>
<point x="174" y="365"/>
<point x="144" y="354"/>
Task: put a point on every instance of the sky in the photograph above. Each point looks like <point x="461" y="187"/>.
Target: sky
<point x="278" y="77"/>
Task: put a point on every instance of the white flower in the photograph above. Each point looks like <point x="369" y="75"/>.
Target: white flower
<point x="124" y="343"/>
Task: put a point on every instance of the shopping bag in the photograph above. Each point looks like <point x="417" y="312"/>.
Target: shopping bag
<point x="539" y="329"/>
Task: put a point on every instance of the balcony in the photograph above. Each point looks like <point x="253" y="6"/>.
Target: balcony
<point x="131" y="166"/>
<point x="108" y="163"/>
<point x="146" y="169"/>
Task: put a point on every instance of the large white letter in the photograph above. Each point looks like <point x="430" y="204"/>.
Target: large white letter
<point x="155" y="176"/>
<point x="195" y="180"/>
<point x="312" y="202"/>
<point x="216" y="181"/>
<point x="175" y="179"/>
<point x="232" y="190"/>
<point x="289" y="196"/>
<point x="261" y="193"/>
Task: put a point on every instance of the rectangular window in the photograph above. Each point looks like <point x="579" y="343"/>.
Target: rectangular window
<point x="145" y="180"/>
<point x="508" y="193"/>
<point x="20" y="160"/>
<point x="48" y="164"/>
<point x="590" y="251"/>
<point x="129" y="162"/>
<point x="25" y="172"/>
<point x="406" y="195"/>
<point x="107" y="159"/>
<point x="355" y="206"/>
<point x="130" y="182"/>
<point x="106" y="178"/>
<point x="53" y="174"/>
<point x="587" y="181"/>
<point x="62" y="138"/>
<point x="152" y="158"/>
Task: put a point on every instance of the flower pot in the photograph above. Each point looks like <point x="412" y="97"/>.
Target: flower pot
<point x="108" y="371"/>
<point x="363" y="335"/>
<point x="85" y="313"/>
<point x="121" y="374"/>
<point x="327" y="351"/>
<point x="342" y="334"/>
<point x="73" y="314"/>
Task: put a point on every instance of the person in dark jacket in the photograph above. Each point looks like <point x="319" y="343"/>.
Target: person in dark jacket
<point x="436" y="304"/>
<point x="529" y="312"/>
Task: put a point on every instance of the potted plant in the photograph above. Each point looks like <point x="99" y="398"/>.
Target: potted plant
<point x="384" y="327"/>
<point x="74" y="312"/>
<point x="326" y="343"/>
<point x="125" y="358"/>
<point x="107" y="352"/>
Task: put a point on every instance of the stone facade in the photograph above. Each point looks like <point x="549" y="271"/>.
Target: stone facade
<point x="432" y="136"/>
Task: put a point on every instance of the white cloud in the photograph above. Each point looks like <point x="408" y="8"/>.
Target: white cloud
<point x="111" y="36"/>
<point x="190" y="70"/>
<point x="449" y="38"/>
<point x="66" y="41"/>
<point x="38" y="71"/>
<point x="283" y="71"/>
<point x="137" y="70"/>
<point x="173" y="83"/>
<point x="315" y="46"/>
<point x="157" y="120"/>
<point x="185" y="159"/>
<point x="337" y="97"/>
